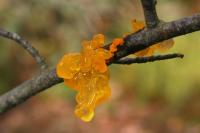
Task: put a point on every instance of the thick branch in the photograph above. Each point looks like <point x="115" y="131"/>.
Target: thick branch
<point x="27" y="89"/>
<point x="26" y="45"/>
<point x="150" y="14"/>
<point x="147" y="37"/>
<point x="128" y="61"/>
<point x="133" y="43"/>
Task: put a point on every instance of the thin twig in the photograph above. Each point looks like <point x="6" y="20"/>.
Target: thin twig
<point x="26" y="45"/>
<point x="151" y="17"/>
<point x="128" y="61"/>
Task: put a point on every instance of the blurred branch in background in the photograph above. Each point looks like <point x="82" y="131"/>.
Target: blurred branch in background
<point x="27" y="46"/>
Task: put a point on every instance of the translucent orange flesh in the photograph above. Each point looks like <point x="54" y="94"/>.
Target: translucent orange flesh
<point x="87" y="73"/>
<point x="116" y="42"/>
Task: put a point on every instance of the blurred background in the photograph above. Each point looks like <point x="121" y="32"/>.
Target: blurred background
<point x="146" y="98"/>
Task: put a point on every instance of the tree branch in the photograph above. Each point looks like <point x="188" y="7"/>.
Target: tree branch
<point x="132" y="44"/>
<point x="149" y="8"/>
<point x="128" y="61"/>
<point x="27" y="89"/>
<point x="26" y="45"/>
<point x="147" y="37"/>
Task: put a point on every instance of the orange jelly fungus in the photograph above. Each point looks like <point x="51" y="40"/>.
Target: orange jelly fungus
<point x="116" y="42"/>
<point x="161" y="46"/>
<point x="87" y="73"/>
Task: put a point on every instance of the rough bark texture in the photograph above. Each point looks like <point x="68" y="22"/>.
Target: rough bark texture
<point x="147" y="37"/>
<point x="149" y="8"/>
<point x="27" y="89"/>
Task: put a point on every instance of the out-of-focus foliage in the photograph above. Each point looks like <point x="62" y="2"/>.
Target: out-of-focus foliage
<point x="153" y="97"/>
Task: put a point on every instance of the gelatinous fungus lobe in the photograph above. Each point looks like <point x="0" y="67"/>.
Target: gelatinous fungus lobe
<point x="87" y="73"/>
<point x="94" y="90"/>
<point x="116" y="42"/>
